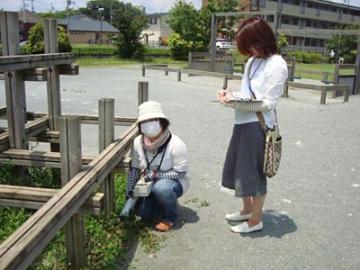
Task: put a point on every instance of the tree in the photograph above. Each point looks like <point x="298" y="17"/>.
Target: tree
<point x="193" y="28"/>
<point x="184" y="20"/>
<point x="62" y="14"/>
<point x="130" y="21"/>
<point x="186" y="23"/>
<point x="282" y="42"/>
<point x="343" y="46"/>
<point x="92" y="9"/>
<point x="36" y="42"/>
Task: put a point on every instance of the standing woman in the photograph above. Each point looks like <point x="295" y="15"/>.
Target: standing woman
<point x="264" y="78"/>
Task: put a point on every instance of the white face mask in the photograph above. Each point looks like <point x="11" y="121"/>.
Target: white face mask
<point x="151" y="129"/>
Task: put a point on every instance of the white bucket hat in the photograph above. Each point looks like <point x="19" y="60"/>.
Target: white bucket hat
<point x="150" y="110"/>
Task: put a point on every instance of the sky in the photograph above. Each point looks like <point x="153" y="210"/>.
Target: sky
<point x="150" y="5"/>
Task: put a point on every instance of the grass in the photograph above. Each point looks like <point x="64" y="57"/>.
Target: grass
<point x="107" y="50"/>
<point x="108" y="238"/>
<point x="330" y="68"/>
<point x="114" y="61"/>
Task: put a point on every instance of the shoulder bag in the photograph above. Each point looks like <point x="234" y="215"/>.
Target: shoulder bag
<point x="273" y="140"/>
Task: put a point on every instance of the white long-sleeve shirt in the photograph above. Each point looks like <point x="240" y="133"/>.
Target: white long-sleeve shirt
<point x="175" y="157"/>
<point x="267" y="84"/>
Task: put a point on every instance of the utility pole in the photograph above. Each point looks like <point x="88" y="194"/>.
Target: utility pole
<point x="68" y="2"/>
<point x="32" y="6"/>
<point x="24" y="8"/>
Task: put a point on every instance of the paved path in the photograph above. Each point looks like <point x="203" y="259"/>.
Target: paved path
<point x="312" y="209"/>
<point x="312" y="212"/>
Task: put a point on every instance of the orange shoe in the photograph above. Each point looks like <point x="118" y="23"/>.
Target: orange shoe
<point x="164" y="226"/>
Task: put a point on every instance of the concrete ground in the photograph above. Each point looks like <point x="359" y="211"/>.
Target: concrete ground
<point x="312" y="209"/>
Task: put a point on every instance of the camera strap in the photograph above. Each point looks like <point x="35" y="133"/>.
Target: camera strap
<point x="162" y="149"/>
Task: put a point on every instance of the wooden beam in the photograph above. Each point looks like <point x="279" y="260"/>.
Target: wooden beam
<point x="34" y="198"/>
<point x="28" y="241"/>
<point x="94" y="119"/>
<point x="21" y="62"/>
<point x="40" y="74"/>
<point x="32" y="128"/>
<point x="211" y="74"/>
<point x="46" y="159"/>
<point x="323" y="88"/>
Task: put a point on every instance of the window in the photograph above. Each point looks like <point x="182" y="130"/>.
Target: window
<point x="270" y="18"/>
<point x="285" y="20"/>
<point x="257" y="4"/>
<point x="340" y="11"/>
<point x="302" y="8"/>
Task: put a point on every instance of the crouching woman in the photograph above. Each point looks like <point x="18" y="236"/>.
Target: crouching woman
<point x="158" y="156"/>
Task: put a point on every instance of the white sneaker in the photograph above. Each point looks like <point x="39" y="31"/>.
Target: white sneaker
<point x="244" y="228"/>
<point x="237" y="216"/>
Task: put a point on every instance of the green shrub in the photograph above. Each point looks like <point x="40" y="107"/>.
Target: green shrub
<point x="308" y="57"/>
<point x="108" y="239"/>
<point x="150" y="51"/>
<point x="180" y="48"/>
<point x="36" y="42"/>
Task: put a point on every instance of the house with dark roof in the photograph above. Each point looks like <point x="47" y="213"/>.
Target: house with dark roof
<point x="26" y="20"/>
<point x="83" y="29"/>
<point x="158" y="30"/>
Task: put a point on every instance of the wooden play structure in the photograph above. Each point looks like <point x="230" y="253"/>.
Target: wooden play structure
<point x="87" y="183"/>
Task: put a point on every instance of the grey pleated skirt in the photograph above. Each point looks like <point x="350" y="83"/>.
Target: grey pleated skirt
<point x="243" y="168"/>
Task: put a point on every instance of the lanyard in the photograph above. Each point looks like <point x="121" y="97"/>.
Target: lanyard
<point x="249" y="76"/>
<point x="161" y="149"/>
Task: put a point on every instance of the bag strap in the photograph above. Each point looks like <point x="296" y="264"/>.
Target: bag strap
<point x="259" y="115"/>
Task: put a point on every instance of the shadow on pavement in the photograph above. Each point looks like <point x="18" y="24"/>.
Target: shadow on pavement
<point x="185" y="215"/>
<point x="275" y="225"/>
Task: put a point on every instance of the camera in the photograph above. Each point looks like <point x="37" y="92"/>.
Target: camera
<point x="149" y="175"/>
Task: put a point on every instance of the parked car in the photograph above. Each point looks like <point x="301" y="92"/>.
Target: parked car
<point x="223" y="44"/>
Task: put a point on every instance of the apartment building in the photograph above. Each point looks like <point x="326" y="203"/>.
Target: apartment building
<point x="306" y="23"/>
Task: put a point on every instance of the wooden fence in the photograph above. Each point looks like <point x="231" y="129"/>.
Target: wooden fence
<point x="191" y="72"/>
<point x="81" y="176"/>
<point x="322" y="88"/>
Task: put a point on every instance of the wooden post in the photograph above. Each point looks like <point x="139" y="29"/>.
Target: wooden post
<point x="143" y="92"/>
<point x="357" y="78"/>
<point x="325" y="77"/>
<point x="143" y="70"/>
<point x="14" y="85"/>
<point x="323" y="95"/>
<point x="346" y="93"/>
<point x="225" y="82"/>
<point x="336" y="80"/>
<point x="71" y="161"/>
<point x="53" y="77"/>
<point x="286" y="90"/>
<point x="179" y="75"/>
<point x="190" y="61"/>
<point x="106" y="137"/>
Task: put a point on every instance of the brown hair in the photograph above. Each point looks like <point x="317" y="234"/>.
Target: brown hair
<point x="256" y="33"/>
